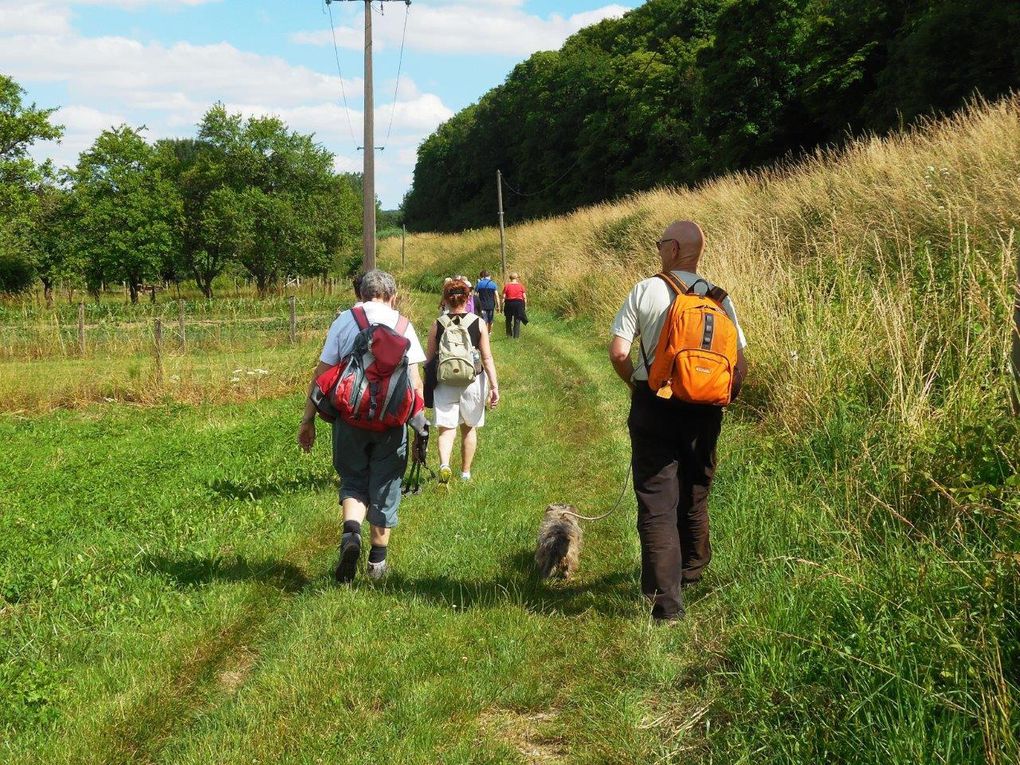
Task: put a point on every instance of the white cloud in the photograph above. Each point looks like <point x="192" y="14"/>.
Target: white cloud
<point x="110" y="80"/>
<point x="28" y="18"/>
<point x="136" y="4"/>
<point x="499" y="27"/>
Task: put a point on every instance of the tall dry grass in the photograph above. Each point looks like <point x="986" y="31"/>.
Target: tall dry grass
<point x="876" y="287"/>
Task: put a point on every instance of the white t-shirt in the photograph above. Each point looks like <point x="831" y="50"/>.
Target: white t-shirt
<point x="343" y="330"/>
<point x="644" y="312"/>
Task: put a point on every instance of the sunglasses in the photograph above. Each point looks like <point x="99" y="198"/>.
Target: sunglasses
<point x="660" y="242"/>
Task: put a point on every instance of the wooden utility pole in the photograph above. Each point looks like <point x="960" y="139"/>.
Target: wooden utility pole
<point x="368" y="177"/>
<point x="502" y="234"/>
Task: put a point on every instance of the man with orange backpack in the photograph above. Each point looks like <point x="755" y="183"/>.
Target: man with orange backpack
<point x="690" y="366"/>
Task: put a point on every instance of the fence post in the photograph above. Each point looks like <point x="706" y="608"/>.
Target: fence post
<point x="180" y="324"/>
<point x="158" y="338"/>
<point x="81" y="328"/>
<point x="293" y="319"/>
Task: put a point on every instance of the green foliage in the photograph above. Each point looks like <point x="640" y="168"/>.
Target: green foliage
<point x="16" y="273"/>
<point x="20" y="127"/>
<point x="267" y="198"/>
<point x="126" y="210"/>
<point x="677" y="91"/>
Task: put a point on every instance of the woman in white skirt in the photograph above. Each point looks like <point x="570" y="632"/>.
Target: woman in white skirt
<point x="461" y="404"/>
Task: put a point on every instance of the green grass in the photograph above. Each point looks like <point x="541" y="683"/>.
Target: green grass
<point x="167" y="598"/>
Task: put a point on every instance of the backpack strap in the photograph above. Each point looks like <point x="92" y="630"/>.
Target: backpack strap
<point x="360" y="317"/>
<point x="678" y="287"/>
<point x="674" y="283"/>
<point x="402" y="323"/>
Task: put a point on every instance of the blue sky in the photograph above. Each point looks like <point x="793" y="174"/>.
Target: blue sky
<point x="162" y="63"/>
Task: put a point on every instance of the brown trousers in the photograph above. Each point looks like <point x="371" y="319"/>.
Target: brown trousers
<point x="673" y="458"/>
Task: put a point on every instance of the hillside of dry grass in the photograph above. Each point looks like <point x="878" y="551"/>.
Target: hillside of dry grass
<point x="876" y="287"/>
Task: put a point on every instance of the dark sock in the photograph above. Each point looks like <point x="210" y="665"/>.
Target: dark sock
<point x="377" y="554"/>
<point x="352" y="527"/>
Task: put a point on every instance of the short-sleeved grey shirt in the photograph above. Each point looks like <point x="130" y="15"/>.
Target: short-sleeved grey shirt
<point x="644" y="312"/>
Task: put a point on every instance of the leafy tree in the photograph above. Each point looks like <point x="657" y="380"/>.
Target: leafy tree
<point x="127" y="210"/>
<point x="197" y="169"/>
<point x="21" y="126"/>
<point x="275" y="204"/>
<point x="53" y="239"/>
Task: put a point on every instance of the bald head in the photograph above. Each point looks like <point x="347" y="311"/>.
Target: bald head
<point x="686" y="243"/>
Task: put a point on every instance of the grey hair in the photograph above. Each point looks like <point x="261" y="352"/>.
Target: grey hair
<point x="378" y="284"/>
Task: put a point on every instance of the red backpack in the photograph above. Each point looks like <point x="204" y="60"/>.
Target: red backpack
<point x="370" y="388"/>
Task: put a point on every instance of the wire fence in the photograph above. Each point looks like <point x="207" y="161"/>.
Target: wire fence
<point x="177" y="327"/>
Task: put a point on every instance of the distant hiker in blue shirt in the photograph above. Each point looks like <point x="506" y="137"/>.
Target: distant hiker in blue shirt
<point x="487" y="303"/>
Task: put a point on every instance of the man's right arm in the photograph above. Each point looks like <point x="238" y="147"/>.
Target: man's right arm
<point x="619" y="357"/>
<point x="306" y="431"/>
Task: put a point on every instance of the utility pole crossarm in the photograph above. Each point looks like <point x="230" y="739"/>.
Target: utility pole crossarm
<point x="368" y="178"/>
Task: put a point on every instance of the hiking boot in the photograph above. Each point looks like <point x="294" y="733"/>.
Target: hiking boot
<point x="350" y="551"/>
<point x="445" y="474"/>
<point x="376" y="571"/>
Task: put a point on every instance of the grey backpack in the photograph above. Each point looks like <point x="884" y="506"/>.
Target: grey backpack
<point x="457" y="356"/>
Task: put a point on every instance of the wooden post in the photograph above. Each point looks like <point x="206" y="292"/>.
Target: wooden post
<point x="403" y="233"/>
<point x="293" y="319"/>
<point x="158" y="338"/>
<point x="180" y="324"/>
<point x="81" y="328"/>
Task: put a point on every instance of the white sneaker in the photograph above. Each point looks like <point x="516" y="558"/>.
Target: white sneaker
<point x="465" y="476"/>
<point x="376" y="571"/>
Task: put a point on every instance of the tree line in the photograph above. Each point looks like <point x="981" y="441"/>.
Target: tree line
<point x="246" y="196"/>
<point x="678" y="91"/>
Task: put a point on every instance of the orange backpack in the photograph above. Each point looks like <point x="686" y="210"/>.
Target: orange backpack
<point x="697" y="351"/>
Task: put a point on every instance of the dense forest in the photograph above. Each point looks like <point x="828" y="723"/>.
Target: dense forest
<point x="244" y="196"/>
<point x="677" y="91"/>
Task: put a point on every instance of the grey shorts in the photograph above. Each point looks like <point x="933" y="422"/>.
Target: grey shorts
<point x="487" y="314"/>
<point x="371" y="466"/>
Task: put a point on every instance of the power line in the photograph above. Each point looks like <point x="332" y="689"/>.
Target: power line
<point x="400" y="65"/>
<point x="339" y="74"/>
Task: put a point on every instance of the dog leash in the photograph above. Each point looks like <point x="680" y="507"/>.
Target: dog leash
<point x="623" y="491"/>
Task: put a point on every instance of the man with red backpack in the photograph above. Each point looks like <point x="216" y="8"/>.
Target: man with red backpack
<point x="690" y="365"/>
<point x="368" y="385"/>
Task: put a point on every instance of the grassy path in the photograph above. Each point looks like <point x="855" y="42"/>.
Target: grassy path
<point x="170" y="598"/>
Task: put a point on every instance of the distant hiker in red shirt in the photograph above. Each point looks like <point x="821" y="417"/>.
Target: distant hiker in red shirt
<point x="515" y="304"/>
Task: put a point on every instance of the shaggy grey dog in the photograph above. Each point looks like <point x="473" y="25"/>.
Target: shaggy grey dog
<point x="559" y="542"/>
